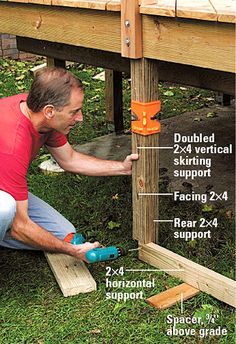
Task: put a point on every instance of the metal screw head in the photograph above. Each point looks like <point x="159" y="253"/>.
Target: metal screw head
<point x="127" y="42"/>
<point x="127" y="23"/>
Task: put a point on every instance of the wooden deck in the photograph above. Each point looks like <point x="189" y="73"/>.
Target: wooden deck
<point x="213" y="10"/>
<point x="169" y="33"/>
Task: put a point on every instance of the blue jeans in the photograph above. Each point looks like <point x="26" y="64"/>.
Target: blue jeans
<point x="39" y="211"/>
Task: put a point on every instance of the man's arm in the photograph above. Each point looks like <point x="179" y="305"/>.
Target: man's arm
<point x="27" y="231"/>
<point x="76" y="162"/>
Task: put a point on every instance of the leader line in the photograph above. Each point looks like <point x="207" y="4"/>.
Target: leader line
<point x="163" y="220"/>
<point x="155" y="147"/>
<point x="153" y="270"/>
<point x="182" y="302"/>
<point x="154" y="194"/>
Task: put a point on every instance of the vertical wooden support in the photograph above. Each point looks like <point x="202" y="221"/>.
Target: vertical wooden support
<point x="52" y="62"/>
<point x="222" y="98"/>
<point x="131" y="29"/>
<point x="113" y="99"/>
<point x="144" y="88"/>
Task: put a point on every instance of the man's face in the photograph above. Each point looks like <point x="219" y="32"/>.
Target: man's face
<point x="66" y="119"/>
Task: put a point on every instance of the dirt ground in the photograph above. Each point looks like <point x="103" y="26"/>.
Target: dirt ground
<point x="216" y="119"/>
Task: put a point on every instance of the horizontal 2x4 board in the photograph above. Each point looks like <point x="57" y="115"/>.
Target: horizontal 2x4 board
<point x="198" y="43"/>
<point x="80" y="27"/>
<point x="72" y="275"/>
<point x="196" y="275"/>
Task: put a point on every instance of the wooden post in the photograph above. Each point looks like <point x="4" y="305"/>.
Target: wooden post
<point x="113" y="99"/>
<point x="131" y="29"/>
<point x="52" y="62"/>
<point x="222" y="98"/>
<point x="144" y="88"/>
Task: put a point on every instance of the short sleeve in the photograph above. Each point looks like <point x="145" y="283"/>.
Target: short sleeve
<point x="56" y="139"/>
<point x="13" y="176"/>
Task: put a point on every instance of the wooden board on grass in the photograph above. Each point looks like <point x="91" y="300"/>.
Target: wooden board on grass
<point x="173" y="295"/>
<point x="198" y="276"/>
<point x="71" y="274"/>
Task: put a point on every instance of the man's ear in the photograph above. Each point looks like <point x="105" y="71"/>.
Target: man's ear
<point x="49" y="111"/>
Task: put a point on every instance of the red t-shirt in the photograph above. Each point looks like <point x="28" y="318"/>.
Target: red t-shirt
<point x="19" y="144"/>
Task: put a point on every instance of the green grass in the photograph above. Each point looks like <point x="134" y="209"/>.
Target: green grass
<point x="32" y="308"/>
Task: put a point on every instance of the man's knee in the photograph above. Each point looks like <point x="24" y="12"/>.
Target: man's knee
<point x="7" y="212"/>
<point x="61" y="227"/>
<point x="64" y="231"/>
<point x="7" y="206"/>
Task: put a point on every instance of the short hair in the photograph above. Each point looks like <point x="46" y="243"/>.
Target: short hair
<point x="52" y="86"/>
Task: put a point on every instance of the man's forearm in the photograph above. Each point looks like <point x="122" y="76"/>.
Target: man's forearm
<point x="76" y="162"/>
<point x="92" y="166"/>
<point x="33" y="235"/>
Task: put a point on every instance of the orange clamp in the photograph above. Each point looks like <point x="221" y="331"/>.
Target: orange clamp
<point x="145" y="124"/>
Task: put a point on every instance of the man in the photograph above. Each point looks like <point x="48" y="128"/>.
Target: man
<point x="27" y="122"/>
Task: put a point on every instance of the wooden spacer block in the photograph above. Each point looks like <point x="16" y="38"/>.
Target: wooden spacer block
<point x="71" y="274"/>
<point x="171" y="296"/>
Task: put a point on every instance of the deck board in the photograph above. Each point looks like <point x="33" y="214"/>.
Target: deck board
<point x="90" y="4"/>
<point x="113" y="5"/>
<point x="226" y="10"/>
<point x="200" y="9"/>
<point x="161" y="7"/>
<point x="211" y="10"/>
<point x="20" y="1"/>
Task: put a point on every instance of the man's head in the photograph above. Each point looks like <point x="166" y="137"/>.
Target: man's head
<point x="58" y="96"/>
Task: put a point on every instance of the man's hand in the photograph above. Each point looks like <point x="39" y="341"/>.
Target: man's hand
<point x="79" y="251"/>
<point x="127" y="163"/>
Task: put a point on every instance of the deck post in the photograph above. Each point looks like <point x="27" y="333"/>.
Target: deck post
<point x="144" y="88"/>
<point x="113" y="99"/>
<point x="54" y="62"/>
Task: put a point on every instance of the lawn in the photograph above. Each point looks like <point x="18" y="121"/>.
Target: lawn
<point x="32" y="308"/>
